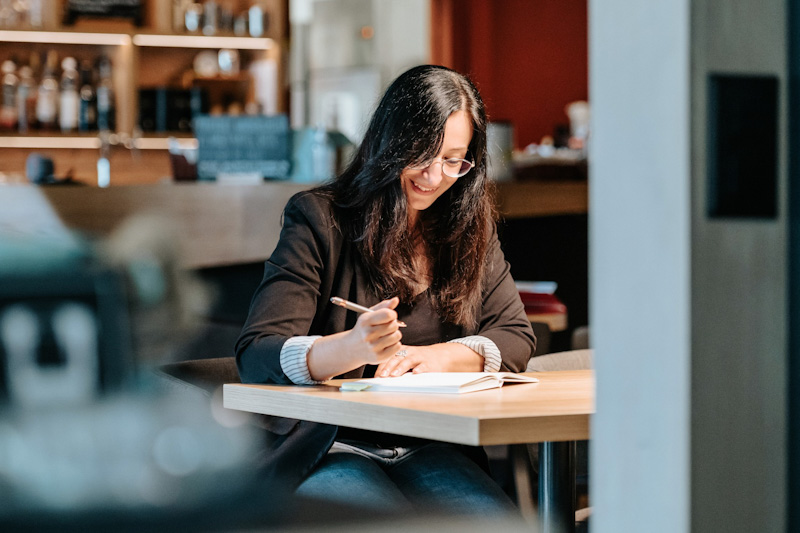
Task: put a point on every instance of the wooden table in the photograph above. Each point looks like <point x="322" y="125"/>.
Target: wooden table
<point x="554" y="412"/>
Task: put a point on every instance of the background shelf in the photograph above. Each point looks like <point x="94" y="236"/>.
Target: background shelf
<point x="150" y="56"/>
<point x="64" y="37"/>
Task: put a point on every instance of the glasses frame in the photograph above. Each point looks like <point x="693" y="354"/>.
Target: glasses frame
<point x="441" y="161"/>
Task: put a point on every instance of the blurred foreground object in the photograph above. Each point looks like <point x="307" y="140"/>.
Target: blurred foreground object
<point x="122" y="460"/>
<point x="163" y="298"/>
<point x="63" y="319"/>
<point x="86" y="441"/>
<point x="63" y="336"/>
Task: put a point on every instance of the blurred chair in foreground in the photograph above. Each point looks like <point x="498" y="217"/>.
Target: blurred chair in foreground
<point x="90" y="442"/>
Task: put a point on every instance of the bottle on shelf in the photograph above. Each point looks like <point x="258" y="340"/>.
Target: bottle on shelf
<point x="323" y="160"/>
<point x="47" y="97"/>
<point x="240" y="25"/>
<point x="225" y="19"/>
<point x="35" y="13"/>
<point x="105" y="95"/>
<point x="255" y="20"/>
<point x="87" y="113"/>
<point x="103" y="162"/>
<point x="192" y="17"/>
<point x="26" y="99"/>
<point x="35" y="63"/>
<point x="9" y="14"/>
<point x="8" y="108"/>
<point x="69" y="102"/>
<point x="179" y="9"/>
<point x="210" y="17"/>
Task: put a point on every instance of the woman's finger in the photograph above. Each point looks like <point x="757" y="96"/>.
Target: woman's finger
<point x="404" y="365"/>
<point x="375" y="335"/>
<point x="385" y="368"/>
<point x="388" y="366"/>
<point x="382" y="371"/>
<point x="387" y="341"/>
<point x="379" y="317"/>
<point x="391" y="303"/>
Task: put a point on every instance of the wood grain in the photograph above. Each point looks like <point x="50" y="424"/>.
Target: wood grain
<point x="555" y="409"/>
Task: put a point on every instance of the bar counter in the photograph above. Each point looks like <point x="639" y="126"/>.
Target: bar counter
<point x="219" y="225"/>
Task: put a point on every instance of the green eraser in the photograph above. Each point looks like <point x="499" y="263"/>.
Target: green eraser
<point x="353" y="386"/>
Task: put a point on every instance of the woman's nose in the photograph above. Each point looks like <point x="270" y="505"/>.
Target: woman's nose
<point x="433" y="173"/>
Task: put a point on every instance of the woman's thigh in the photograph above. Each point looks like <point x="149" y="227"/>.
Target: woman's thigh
<point x="353" y="480"/>
<point x="441" y="478"/>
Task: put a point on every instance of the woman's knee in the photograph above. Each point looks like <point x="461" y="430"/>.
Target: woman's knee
<point x="442" y="477"/>
<point x="353" y="480"/>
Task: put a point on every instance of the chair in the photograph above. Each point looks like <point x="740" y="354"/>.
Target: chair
<point x="580" y="338"/>
<point x="569" y="360"/>
<point x="204" y="374"/>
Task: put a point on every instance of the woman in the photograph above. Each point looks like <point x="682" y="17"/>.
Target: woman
<point x="407" y="230"/>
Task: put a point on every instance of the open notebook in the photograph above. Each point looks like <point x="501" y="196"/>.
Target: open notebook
<point x="438" y="382"/>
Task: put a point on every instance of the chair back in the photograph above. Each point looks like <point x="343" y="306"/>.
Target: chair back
<point x="569" y="360"/>
<point x="205" y="374"/>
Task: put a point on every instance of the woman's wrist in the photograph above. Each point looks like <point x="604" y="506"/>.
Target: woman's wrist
<point x="332" y="355"/>
<point x="461" y="358"/>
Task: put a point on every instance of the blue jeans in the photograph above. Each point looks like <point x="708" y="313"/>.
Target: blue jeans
<point x="434" y="477"/>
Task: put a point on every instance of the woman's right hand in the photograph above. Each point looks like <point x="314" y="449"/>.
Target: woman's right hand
<point x="376" y="335"/>
<point x="374" y="339"/>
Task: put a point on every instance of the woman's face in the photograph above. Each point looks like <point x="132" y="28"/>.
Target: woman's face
<point x="423" y="187"/>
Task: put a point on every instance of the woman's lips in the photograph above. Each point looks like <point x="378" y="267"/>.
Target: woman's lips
<point x="422" y="190"/>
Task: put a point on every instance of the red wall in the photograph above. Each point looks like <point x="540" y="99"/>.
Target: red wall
<point x="529" y="58"/>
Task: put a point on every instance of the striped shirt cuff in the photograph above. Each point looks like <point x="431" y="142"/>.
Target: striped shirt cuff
<point x="484" y="347"/>
<point x="294" y="362"/>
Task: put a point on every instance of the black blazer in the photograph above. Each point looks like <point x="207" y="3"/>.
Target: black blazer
<point x="313" y="262"/>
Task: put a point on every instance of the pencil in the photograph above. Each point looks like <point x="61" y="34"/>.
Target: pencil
<point x="357" y="308"/>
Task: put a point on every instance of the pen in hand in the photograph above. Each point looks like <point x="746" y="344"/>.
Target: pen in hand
<point x="357" y="308"/>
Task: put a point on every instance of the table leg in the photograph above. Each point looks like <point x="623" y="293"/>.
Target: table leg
<point x="557" y="487"/>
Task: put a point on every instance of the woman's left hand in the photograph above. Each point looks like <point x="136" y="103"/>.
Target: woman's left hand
<point x="445" y="357"/>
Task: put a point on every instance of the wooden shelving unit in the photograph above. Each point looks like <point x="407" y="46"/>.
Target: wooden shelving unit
<point x="142" y="57"/>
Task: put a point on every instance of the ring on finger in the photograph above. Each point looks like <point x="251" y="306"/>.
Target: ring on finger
<point x="402" y="353"/>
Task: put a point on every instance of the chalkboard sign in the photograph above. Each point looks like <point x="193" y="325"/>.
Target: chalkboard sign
<point x="243" y="145"/>
<point x="131" y="9"/>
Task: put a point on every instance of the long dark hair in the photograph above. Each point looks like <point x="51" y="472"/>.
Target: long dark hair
<point x="408" y="128"/>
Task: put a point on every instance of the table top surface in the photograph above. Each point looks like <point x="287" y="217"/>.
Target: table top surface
<point x="557" y="408"/>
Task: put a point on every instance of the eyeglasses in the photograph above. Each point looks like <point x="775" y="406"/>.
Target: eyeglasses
<point x="451" y="166"/>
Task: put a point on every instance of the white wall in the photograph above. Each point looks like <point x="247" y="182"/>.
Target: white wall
<point x="640" y="264"/>
<point x="402" y="35"/>
<point x="347" y="73"/>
